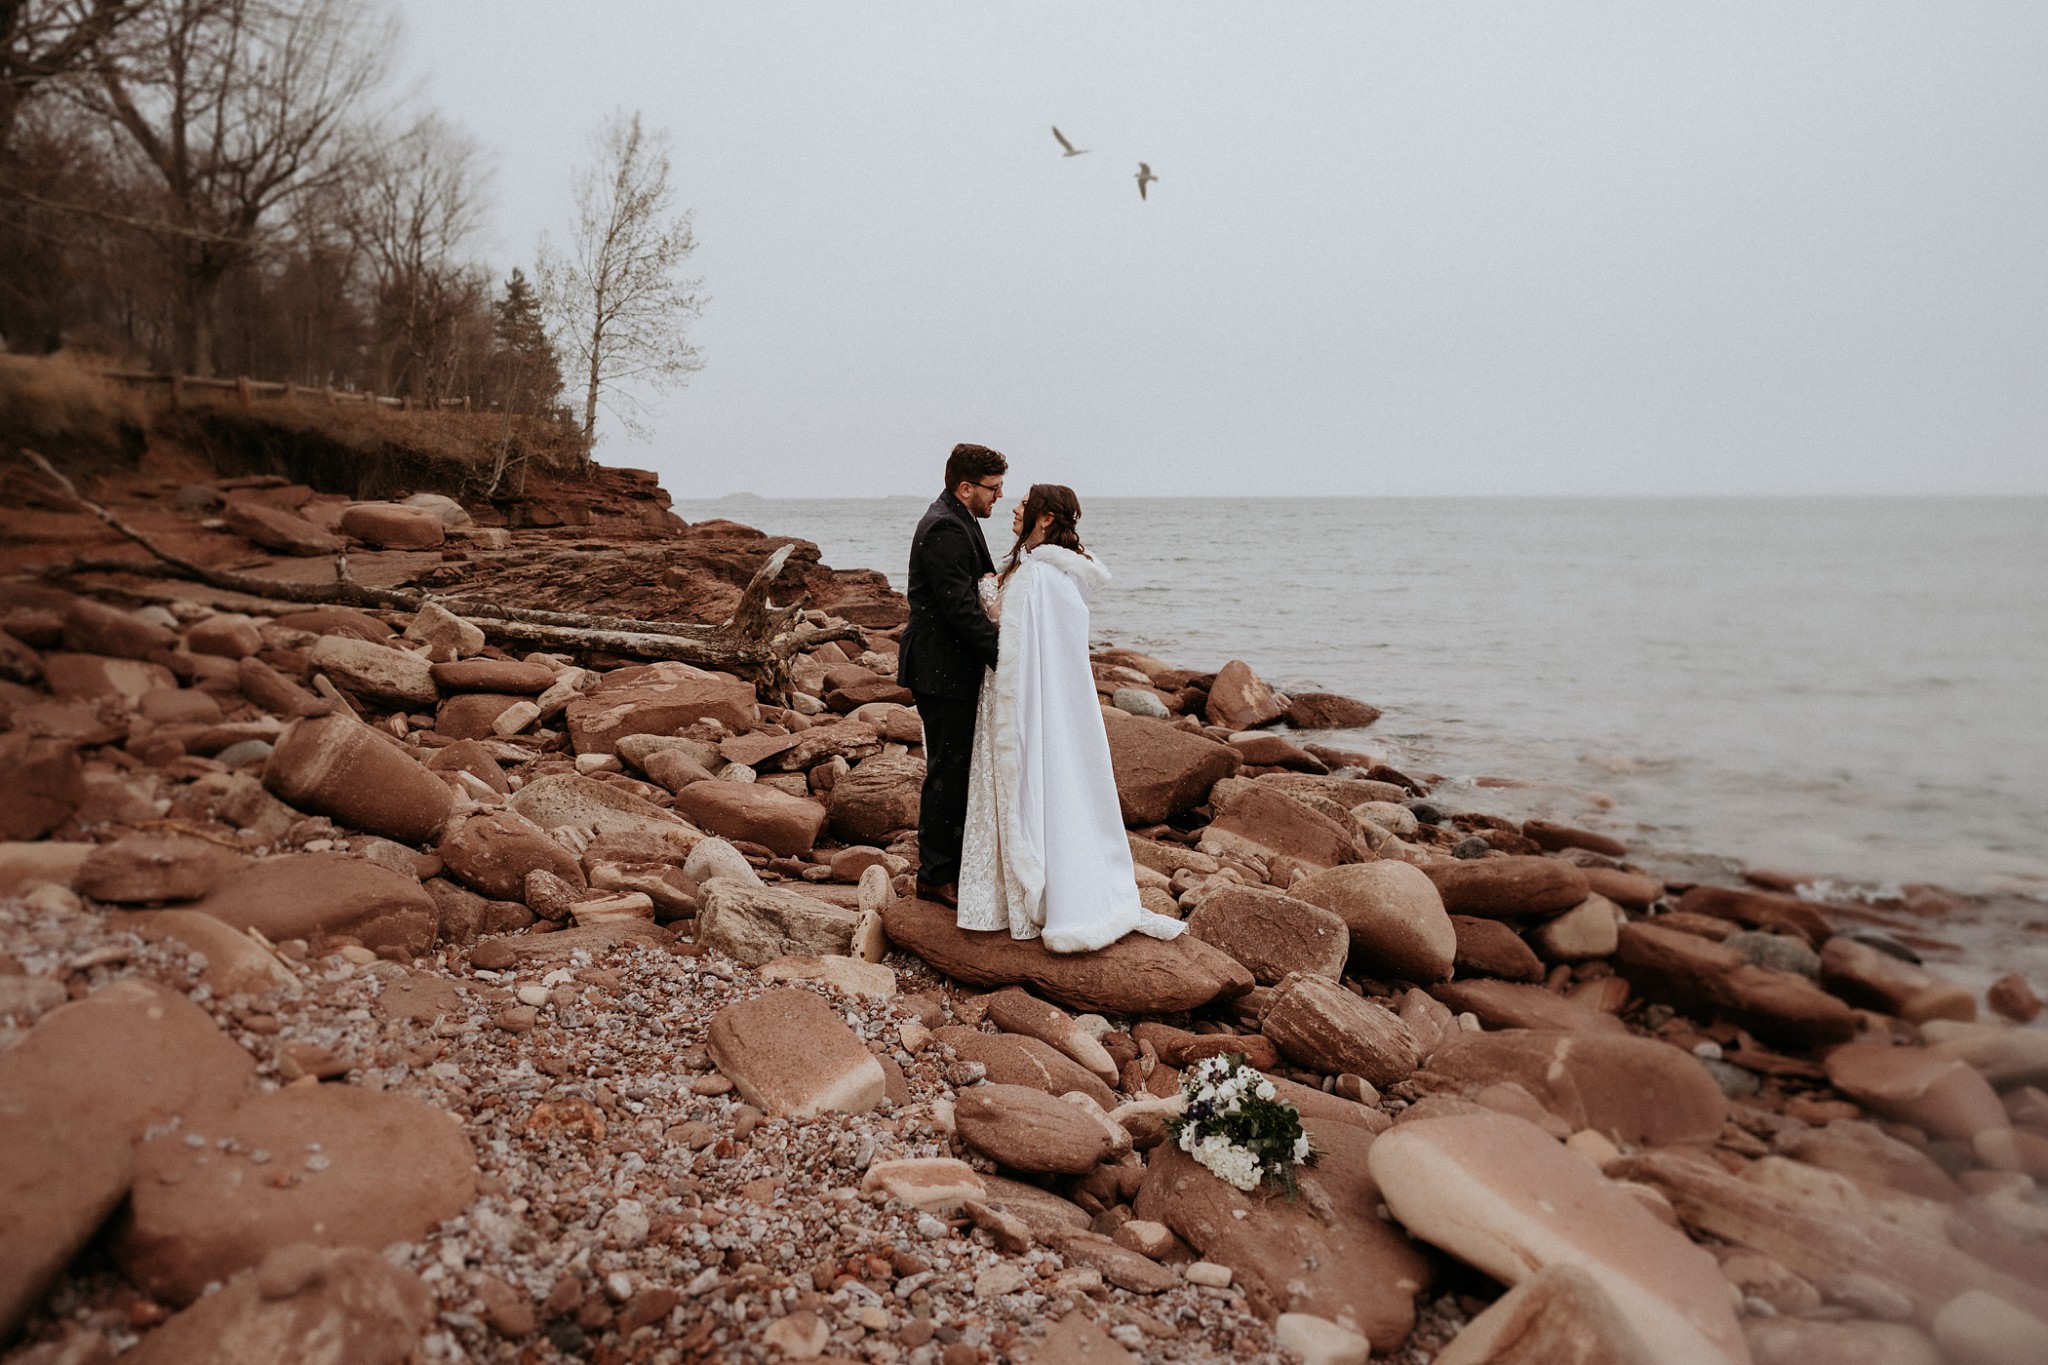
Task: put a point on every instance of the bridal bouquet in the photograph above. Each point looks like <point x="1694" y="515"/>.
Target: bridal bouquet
<point x="1232" y="1123"/>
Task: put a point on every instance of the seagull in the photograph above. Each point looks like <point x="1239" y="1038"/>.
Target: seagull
<point x="1144" y="178"/>
<point x="1070" y="148"/>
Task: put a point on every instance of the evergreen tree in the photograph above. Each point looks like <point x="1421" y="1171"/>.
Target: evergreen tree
<point x="529" y="373"/>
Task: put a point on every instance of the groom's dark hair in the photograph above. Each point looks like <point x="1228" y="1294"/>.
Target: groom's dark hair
<point x="972" y="463"/>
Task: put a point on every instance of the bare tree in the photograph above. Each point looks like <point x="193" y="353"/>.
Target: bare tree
<point x="617" y="295"/>
<point x="419" y="202"/>
<point x="48" y="40"/>
<point x="230" y="110"/>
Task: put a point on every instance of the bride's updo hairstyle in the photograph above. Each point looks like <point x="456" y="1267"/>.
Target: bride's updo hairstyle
<point x="1059" y="501"/>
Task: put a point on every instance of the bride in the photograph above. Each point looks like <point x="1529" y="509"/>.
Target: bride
<point x="1045" y="852"/>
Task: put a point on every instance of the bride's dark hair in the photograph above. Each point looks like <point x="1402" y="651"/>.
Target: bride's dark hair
<point x="1065" y="508"/>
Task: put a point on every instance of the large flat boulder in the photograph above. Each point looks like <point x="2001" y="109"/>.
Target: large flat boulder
<point x="1394" y="915"/>
<point x="391" y="526"/>
<point x="335" y="766"/>
<point x="586" y="803"/>
<point x="95" y="628"/>
<point x="235" y="963"/>
<point x="317" y="896"/>
<point x="1491" y="948"/>
<point x="1941" y="1094"/>
<point x="1327" y="1252"/>
<point x="1162" y="770"/>
<point x="1498" y="1193"/>
<point x="1872" y="979"/>
<point x="1271" y="932"/>
<point x="781" y="823"/>
<point x="791" y="1054"/>
<point x="45" y="784"/>
<point x="304" y="1304"/>
<point x="659" y="701"/>
<point x="1318" y="1024"/>
<point x="129" y="1055"/>
<point x="754" y="924"/>
<point x="1638" y="1091"/>
<point x="334" y="1165"/>
<point x="1240" y="699"/>
<point x="1134" y="975"/>
<point x="1511" y="888"/>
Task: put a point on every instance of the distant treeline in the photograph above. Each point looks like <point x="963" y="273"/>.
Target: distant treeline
<point x="230" y="187"/>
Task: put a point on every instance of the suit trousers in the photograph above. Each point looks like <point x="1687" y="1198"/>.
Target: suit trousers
<point x="942" y="809"/>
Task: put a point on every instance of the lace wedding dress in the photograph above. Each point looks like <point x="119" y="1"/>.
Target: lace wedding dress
<point x="1045" y="854"/>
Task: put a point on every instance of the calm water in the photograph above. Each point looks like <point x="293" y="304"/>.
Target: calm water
<point x="1846" y="687"/>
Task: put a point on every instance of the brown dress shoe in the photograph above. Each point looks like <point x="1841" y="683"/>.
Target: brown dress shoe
<point x="945" y="893"/>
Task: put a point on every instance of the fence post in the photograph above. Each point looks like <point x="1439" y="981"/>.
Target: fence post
<point x="242" y="392"/>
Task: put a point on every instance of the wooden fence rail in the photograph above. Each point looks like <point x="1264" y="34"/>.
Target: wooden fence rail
<point x="247" y="390"/>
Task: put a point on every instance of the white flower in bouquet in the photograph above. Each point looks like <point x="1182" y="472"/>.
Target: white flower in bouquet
<point x="1233" y="1122"/>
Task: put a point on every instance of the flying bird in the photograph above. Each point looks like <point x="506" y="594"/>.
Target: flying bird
<point x="1144" y="178"/>
<point x="1069" y="148"/>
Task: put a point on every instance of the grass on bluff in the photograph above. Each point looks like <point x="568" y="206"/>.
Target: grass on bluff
<point x="85" y="423"/>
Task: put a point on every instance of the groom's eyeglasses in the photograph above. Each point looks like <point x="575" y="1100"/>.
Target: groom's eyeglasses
<point x="995" y="488"/>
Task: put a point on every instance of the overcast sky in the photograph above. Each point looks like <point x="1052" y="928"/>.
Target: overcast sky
<point x="1416" y="248"/>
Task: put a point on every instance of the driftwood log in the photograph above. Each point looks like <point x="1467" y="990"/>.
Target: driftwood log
<point x="756" y="642"/>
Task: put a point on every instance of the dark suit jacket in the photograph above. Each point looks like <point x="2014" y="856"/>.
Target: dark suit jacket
<point x="949" y="639"/>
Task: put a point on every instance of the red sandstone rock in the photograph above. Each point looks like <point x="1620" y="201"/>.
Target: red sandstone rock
<point x="789" y="1053"/>
<point x="95" y="628"/>
<point x="1262" y="749"/>
<point x="1555" y="838"/>
<point x="203" y="1213"/>
<point x="1943" y="1095"/>
<point x="659" y="702"/>
<point x="389" y="526"/>
<point x="1865" y="976"/>
<point x="469" y="715"/>
<point x="1240" y="700"/>
<point x="1631" y="889"/>
<point x="1328" y="711"/>
<point x="1393" y="914"/>
<point x="276" y="529"/>
<point x="337" y="621"/>
<point x="1265" y="823"/>
<point x="469" y="756"/>
<point x="303" y="1304"/>
<point x="314" y="895"/>
<point x="2012" y="997"/>
<point x="1558" y="1316"/>
<point x="1489" y="948"/>
<point x="1161" y="770"/>
<point x="227" y="636"/>
<point x="1509" y="1005"/>
<point x="271" y="691"/>
<point x="1319" y="1025"/>
<point x="492" y="852"/>
<point x="1758" y="910"/>
<point x="1134" y="975"/>
<point x="1696" y="973"/>
<point x="381" y="673"/>
<point x="1028" y="1130"/>
<point x="1327" y="1253"/>
<point x="1510" y="888"/>
<point x="1271" y="932"/>
<point x="95" y="677"/>
<point x="129" y="1055"/>
<point x="1498" y="1193"/>
<point x="338" y="767"/>
<point x="877" y="798"/>
<point x="59" y="1182"/>
<point x="1637" y="1091"/>
<point x="783" y="824"/>
<point x="1012" y="1059"/>
<point x="144" y="868"/>
<point x="493" y="675"/>
<point x="45" y="785"/>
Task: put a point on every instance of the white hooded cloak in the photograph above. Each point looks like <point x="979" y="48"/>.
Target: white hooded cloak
<point x="1045" y="852"/>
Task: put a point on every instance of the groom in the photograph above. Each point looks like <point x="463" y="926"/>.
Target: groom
<point x="946" y="645"/>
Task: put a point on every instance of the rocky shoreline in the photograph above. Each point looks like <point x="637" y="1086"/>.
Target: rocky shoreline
<point x="373" y="988"/>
